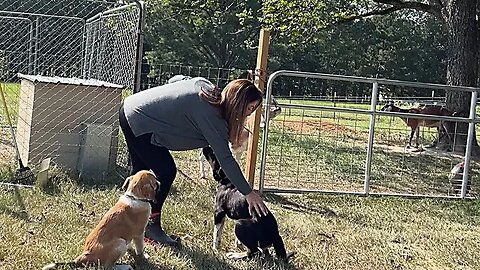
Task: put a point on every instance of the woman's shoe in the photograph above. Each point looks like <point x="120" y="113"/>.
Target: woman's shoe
<point x="154" y="233"/>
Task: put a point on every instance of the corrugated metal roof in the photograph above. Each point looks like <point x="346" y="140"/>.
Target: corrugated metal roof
<point x="63" y="80"/>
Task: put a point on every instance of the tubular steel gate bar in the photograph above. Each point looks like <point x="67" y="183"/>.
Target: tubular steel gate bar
<point x="372" y="113"/>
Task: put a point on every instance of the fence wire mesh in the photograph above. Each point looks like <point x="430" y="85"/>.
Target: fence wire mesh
<point x="65" y="66"/>
<point x="78" y="60"/>
<point x="324" y="144"/>
<point x="110" y="38"/>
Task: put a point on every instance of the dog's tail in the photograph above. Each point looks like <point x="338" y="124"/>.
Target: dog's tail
<point x="67" y="265"/>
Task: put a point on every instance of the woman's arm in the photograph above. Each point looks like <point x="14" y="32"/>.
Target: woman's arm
<point x="216" y="134"/>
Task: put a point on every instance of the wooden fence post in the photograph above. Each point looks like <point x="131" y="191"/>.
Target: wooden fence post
<point x="254" y="120"/>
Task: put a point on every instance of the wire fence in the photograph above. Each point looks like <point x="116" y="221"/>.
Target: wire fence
<point x="110" y="37"/>
<point x="159" y="74"/>
<point x="323" y="146"/>
<point x="65" y="66"/>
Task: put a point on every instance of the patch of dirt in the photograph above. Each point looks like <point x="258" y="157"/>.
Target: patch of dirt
<point x="312" y="127"/>
<point x="421" y="150"/>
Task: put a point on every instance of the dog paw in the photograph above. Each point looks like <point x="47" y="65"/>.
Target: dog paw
<point x="237" y="255"/>
<point x="142" y="257"/>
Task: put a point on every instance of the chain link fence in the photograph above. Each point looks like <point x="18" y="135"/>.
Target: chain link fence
<point x="65" y="66"/>
<point x="110" y="37"/>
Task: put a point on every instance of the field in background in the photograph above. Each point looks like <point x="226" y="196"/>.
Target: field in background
<point x="327" y="150"/>
<point x="8" y="164"/>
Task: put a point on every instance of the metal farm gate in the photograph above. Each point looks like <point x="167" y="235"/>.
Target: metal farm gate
<point x="335" y="147"/>
<point x="65" y="66"/>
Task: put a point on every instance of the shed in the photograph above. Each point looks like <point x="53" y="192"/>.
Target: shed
<point x="73" y="121"/>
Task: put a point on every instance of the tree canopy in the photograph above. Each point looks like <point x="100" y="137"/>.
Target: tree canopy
<point x="307" y="36"/>
<point x="218" y="33"/>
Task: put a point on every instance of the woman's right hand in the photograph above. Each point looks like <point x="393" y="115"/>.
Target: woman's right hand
<point x="256" y="206"/>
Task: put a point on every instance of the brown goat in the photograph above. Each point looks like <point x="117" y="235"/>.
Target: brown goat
<point x="415" y="123"/>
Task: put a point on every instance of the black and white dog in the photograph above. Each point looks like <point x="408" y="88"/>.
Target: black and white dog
<point x="257" y="234"/>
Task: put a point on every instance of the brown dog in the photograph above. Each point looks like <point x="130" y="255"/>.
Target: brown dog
<point x="123" y="223"/>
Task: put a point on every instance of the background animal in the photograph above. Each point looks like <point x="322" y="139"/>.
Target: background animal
<point x="123" y="223"/>
<point x="415" y="123"/>
<point x="255" y="233"/>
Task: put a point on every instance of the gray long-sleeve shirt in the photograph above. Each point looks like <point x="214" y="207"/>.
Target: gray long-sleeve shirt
<point x="180" y="120"/>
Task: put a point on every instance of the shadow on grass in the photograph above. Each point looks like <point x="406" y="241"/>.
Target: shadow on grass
<point x="287" y="204"/>
<point x="202" y="260"/>
<point x="58" y="178"/>
<point x="18" y="214"/>
<point x="199" y="259"/>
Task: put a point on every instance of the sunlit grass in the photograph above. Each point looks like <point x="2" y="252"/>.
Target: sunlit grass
<point x="11" y="92"/>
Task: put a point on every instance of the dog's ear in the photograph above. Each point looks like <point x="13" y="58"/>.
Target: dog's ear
<point x="149" y="189"/>
<point x="127" y="182"/>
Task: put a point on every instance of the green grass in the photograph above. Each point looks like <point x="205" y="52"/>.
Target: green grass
<point x="11" y="92"/>
<point x="327" y="232"/>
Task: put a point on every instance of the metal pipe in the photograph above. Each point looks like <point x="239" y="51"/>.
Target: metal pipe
<point x="84" y="51"/>
<point x="268" y="96"/>
<point x="31" y="58"/>
<point x="113" y="10"/>
<point x="15" y="18"/>
<point x="371" y="133"/>
<point x="37" y="40"/>
<point x="38" y="15"/>
<point x="372" y="80"/>
<point x="139" y="53"/>
<point x="360" y="193"/>
<point x="468" y="148"/>
<point x="361" y="111"/>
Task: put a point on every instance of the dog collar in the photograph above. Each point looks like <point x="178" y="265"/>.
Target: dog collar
<point x="136" y="199"/>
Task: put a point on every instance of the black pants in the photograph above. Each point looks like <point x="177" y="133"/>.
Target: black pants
<point x="147" y="156"/>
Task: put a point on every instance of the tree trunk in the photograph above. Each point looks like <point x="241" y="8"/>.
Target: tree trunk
<point x="462" y="68"/>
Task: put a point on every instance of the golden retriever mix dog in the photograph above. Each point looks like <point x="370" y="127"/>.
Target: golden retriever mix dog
<point x="123" y="223"/>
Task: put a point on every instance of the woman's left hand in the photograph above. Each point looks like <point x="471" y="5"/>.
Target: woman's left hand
<point x="256" y="204"/>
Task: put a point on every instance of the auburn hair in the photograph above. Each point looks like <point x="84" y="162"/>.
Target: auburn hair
<point x="235" y="98"/>
<point x="233" y="101"/>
